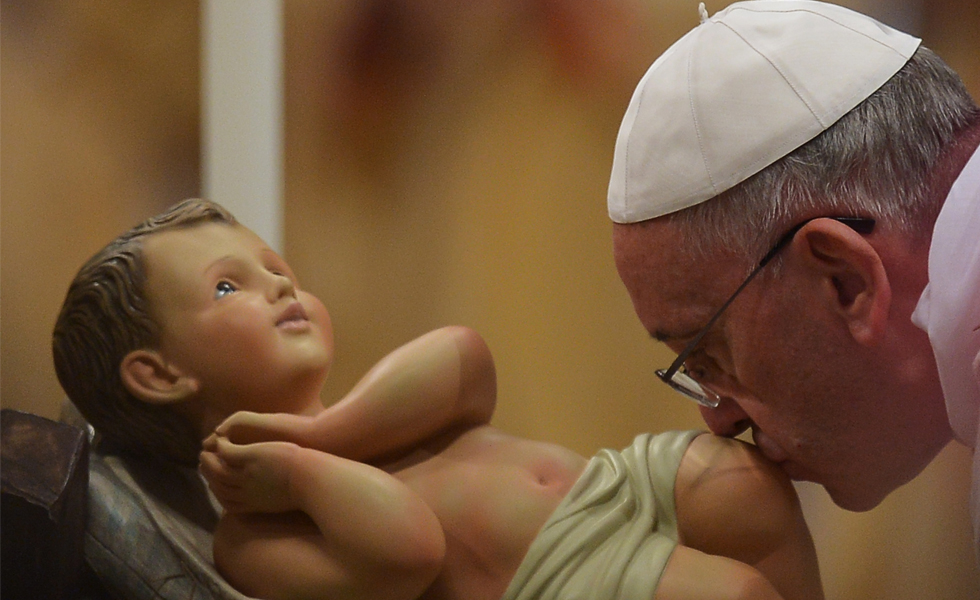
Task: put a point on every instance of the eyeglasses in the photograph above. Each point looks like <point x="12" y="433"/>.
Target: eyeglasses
<point x="677" y="376"/>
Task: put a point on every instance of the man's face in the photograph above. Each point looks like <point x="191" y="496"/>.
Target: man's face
<point x="823" y="406"/>
<point x="232" y="315"/>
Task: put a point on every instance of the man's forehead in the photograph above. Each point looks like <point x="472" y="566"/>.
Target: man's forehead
<point x="673" y="291"/>
<point x="638" y="240"/>
<point x="655" y="254"/>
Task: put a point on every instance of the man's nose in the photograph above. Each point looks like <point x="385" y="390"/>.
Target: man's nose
<point x="727" y="419"/>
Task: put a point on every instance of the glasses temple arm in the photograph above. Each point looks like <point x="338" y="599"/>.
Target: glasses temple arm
<point x="679" y="361"/>
<point x="859" y="224"/>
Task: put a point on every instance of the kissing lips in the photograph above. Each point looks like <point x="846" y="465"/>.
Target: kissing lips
<point x="770" y="449"/>
<point x="774" y="452"/>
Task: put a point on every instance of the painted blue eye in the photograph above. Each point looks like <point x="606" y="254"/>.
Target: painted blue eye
<point x="224" y="288"/>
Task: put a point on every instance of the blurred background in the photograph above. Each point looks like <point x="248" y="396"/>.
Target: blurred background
<point x="445" y="162"/>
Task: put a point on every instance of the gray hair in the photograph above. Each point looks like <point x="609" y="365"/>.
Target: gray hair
<point x="876" y="161"/>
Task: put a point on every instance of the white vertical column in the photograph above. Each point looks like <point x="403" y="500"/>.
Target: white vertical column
<point x="242" y="112"/>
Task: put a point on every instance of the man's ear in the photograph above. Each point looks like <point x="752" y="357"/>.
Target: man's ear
<point x="148" y="376"/>
<point x="852" y="275"/>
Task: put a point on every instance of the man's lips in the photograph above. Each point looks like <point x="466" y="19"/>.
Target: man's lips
<point x="770" y="449"/>
<point x="774" y="452"/>
<point x="294" y="317"/>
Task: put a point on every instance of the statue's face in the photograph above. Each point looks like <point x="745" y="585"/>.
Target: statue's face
<point x="232" y="314"/>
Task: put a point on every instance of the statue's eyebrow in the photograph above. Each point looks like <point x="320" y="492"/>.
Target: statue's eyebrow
<point x="219" y="262"/>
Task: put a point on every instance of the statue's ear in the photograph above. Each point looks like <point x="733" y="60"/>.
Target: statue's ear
<point x="148" y="376"/>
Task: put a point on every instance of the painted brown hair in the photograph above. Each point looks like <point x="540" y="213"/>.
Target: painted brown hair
<point x="104" y="317"/>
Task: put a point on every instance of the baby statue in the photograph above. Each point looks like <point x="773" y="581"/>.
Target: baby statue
<point x="189" y="340"/>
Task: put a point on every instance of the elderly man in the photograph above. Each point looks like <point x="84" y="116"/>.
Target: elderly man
<point x="796" y="199"/>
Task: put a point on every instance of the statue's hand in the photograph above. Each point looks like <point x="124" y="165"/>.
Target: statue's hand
<point x="251" y="427"/>
<point x="251" y="477"/>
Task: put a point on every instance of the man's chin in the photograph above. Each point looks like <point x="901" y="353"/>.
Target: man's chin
<point x="855" y="500"/>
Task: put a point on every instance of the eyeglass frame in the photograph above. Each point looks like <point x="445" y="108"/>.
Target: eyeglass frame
<point x="862" y="225"/>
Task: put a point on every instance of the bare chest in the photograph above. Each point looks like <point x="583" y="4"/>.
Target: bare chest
<point x="492" y="492"/>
